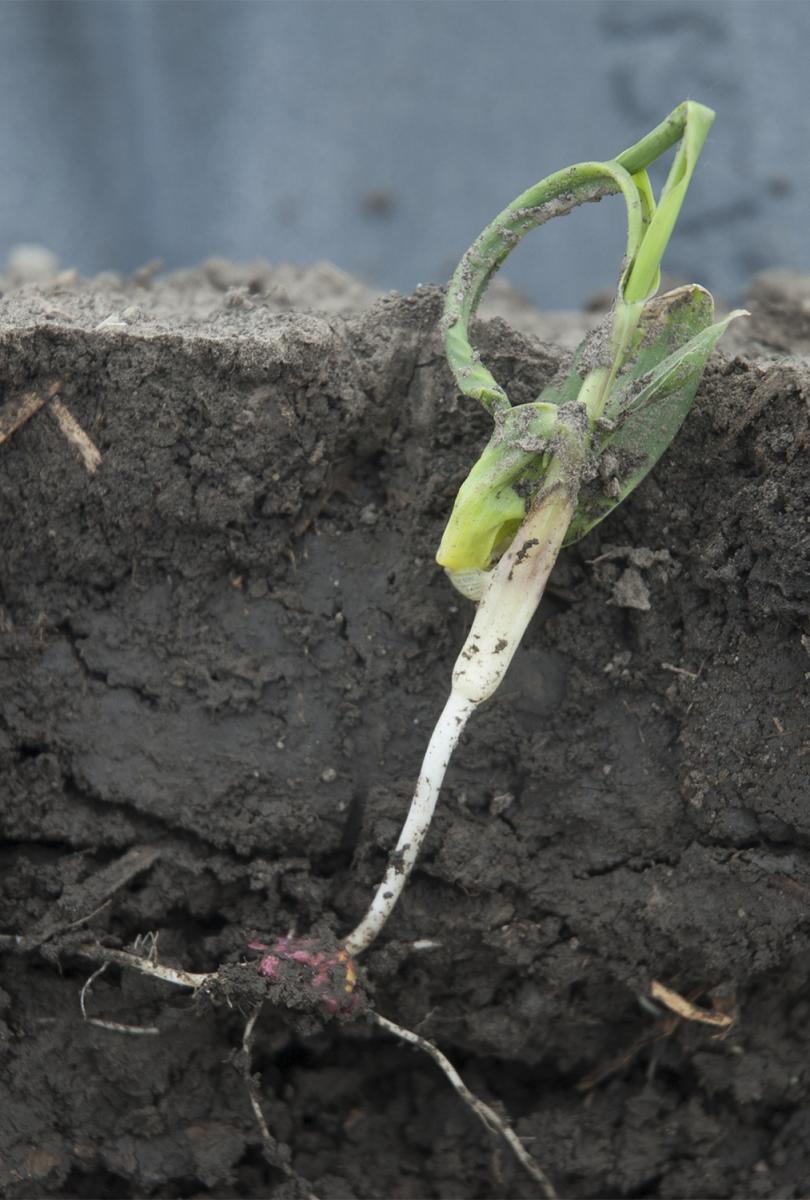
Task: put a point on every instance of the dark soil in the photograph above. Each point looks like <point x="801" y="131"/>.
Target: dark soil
<point x="225" y="649"/>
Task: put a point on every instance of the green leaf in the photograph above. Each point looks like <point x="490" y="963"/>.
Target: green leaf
<point x="642" y="279"/>
<point x="491" y="504"/>
<point x="554" y="196"/>
<point x="666" y="324"/>
<point x="651" y="399"/>
<point x="473" y="377"/>
<point x="632" y="381"/>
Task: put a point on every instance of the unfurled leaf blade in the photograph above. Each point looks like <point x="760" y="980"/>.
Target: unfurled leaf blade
<point x="649" y="420"/>
<point x="667" y="323"/>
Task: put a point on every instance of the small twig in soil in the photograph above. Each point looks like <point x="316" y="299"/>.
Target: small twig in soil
<point x="678" y="1009"/>
<point x="489" y="1117"/>
<point x="88" y="897"/>
<point x="16" y="412"/>
<point x="685" y="1009"/>
<point x="88" y="916"/>
<point x="590" y="1081"/>
<point x="665" y="666"/>
<point x="70" y="427"/>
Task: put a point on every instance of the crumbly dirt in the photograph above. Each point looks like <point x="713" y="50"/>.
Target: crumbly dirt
<point x="221" y="654"/>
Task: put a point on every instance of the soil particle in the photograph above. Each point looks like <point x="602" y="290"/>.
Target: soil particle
<point x="198" y="633"/>
<point x="524" y="550"/>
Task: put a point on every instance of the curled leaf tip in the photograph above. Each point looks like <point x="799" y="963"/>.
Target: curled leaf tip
<point x="633" y="387"/>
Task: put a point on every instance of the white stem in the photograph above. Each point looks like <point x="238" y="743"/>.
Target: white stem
<point x="511" y="597"/>
<point x="440" y="748"/>
<point x="507" y="606"/>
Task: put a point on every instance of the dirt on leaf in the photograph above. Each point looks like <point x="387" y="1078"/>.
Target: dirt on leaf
<point x="222" y="650"/>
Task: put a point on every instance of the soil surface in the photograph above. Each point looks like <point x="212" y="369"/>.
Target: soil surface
<point x="222" y="651"/>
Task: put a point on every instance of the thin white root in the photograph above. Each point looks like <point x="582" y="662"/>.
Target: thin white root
<point x="487" y="1115"/>
<point x="268" y="1140"/>
<point x="113" y="1026"/>
<point x="88" y="983"/>
<point x="276" y="1154"/>
<point x="440" y="749"/>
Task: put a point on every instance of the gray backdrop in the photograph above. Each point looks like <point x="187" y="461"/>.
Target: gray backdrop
<point x="382" y="136"/>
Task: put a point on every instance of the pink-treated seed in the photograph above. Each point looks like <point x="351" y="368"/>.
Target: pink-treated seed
<point x="332" y="973"/>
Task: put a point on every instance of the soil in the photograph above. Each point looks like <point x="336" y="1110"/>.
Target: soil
<point x="222" y="652"/>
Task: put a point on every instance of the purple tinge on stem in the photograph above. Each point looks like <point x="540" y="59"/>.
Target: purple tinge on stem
<point x="331" y="972"/>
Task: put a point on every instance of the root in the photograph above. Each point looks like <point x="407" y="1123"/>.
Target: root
<point x="489" y="1117"/>
<point x="276" y="1154"/>
<point x="180" y="978"/>
<point x="113" y="1026"/>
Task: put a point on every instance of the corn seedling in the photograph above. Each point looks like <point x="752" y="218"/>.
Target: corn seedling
<point x="557" y="466"/>
<point x="552" y="469"/>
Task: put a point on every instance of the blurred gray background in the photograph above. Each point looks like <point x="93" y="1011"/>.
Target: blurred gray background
<point x="383" y="135"/>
